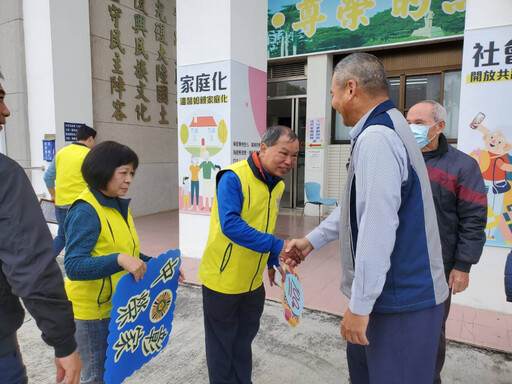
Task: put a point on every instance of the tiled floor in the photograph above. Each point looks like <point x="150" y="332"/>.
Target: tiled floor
<point x="320" y="277"/>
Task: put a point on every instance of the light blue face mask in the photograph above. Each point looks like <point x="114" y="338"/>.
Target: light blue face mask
<point x="420" y="134"/>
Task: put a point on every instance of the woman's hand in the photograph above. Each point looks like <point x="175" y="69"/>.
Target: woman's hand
<point x="133" y="265"/>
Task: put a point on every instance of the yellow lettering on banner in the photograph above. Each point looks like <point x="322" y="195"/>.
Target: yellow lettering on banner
<point x="309" y="16"/>
<point x="401" y="8"/>
<point x="450" y="7"/>
<point x="351" y="13"/>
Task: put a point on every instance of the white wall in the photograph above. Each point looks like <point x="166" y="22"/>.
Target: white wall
<point x="40" y="94"/>
<point x="486" y="283"/>
<point x="319" y="73"/>
<point x="210" y="31"/>
<point x="486" y="287"/>
<point x="249" y="33"/>
<point x="71" y="61"/>
<point x="58" y="62"/>
<point x="203" y="31"/>
<point x="488" y="13"/>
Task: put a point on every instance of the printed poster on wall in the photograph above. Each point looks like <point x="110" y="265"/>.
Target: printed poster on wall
<point x="485" y="127"/>
<point x="204" y="127"/>
<point x="304" y="27"/>
<point x="216" y="129"/>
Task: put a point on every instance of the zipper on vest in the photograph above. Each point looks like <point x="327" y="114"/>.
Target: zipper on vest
<point x="266" y="231"/>
<point x="249" y="205"/>
<point x="98" y="300"/>
<point x="111" y="232"/>
<point x="225" y="261"/>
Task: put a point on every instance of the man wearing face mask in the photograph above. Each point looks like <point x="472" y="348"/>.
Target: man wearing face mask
<point x="459" y="198"/>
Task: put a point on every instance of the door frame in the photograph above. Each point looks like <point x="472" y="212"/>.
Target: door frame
<point x="294" y="119"/>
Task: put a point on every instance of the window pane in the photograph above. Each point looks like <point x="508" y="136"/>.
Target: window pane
<point x="287" y="88"/>
<point x="451" y="100"/>
<point x="424" y="87"/>
<point x="394" y="90"/>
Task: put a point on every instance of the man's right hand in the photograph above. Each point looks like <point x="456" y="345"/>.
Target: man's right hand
<point x="302" y="248"/>
<point x="69" y="367"/>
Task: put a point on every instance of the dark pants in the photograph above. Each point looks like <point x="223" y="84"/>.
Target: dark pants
<point x="60" y="240"/>
<point x="441" y="350"/>
<point x="402" y="348"/>
<point x="12" y="369"/>
<point x="230" y="323"/>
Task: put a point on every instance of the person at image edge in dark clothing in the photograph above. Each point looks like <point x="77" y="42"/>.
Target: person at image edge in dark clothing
<point x="29" y="271"/>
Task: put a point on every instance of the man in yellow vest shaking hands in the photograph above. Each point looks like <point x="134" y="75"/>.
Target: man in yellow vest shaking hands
<point x="239" y="245"/>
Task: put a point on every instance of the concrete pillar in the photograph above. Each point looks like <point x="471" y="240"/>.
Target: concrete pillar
<point x="58" y="73"/>
<point x="221" y="56"/>
<point x="319" y="112"/>
<point x="15" y="136"/>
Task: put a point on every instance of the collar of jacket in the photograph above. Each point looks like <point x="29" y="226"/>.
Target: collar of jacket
<point x="117" y="203"/>
<point x="441" y="148"/>
<point x="260" y="173"/>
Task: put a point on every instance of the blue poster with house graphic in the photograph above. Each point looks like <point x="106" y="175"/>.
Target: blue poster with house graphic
<point x="141" y="317"/>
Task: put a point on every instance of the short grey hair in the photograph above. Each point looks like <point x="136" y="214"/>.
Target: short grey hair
<point x="438" y="111"/>
<point x="274" y="133"/>
<point x="366" y="70"/>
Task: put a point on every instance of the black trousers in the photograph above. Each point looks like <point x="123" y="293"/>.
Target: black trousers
<point x="230" y="323"/>
<point x="441" y="351"/>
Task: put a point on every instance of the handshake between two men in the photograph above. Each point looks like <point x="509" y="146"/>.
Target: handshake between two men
<point x="353" y="327"/>
<point x="293" y="253"/>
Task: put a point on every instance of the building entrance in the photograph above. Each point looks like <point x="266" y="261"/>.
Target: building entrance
<point x="292" y="113"/>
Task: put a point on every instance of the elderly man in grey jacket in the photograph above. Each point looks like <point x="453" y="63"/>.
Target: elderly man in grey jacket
<point x="390" y="249"/>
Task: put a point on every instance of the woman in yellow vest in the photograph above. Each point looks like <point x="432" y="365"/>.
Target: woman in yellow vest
<point x="102" y="246"/>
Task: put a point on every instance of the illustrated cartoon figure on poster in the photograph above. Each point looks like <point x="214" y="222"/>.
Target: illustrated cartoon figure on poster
<point x="208" y="180"/>
<point x="494" y="164"/>
<point x="186" y="192"/>
<point x="204" y="139"/>
<point x="194" y="182"/>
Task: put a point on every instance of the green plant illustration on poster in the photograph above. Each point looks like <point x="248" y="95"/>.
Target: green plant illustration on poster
<point x="301" y="27"/>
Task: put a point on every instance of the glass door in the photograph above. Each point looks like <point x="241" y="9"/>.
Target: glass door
<point x="291" y="112"/>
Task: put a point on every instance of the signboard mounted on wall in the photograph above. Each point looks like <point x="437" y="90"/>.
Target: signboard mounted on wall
<point x="70" y="131"/>
<point x="485" y="132"/>
<point x="305" y="27"/>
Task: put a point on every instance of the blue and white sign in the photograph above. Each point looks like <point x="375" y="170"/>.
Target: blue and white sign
<point x="141" y="317"/>
<point x="70" y="131"/>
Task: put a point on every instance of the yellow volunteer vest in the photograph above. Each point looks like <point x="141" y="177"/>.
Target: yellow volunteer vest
<point x="230" y="268"/>
<point x="91" y="299"/>
<point x="69" y="182"/>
